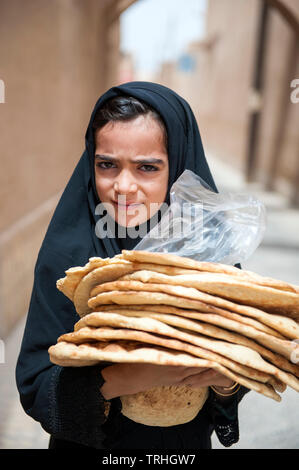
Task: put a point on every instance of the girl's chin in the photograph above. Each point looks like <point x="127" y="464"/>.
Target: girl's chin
<point x="133" y="217"/>
<point x="130" y="218"/>
<point x="130" y="222"/>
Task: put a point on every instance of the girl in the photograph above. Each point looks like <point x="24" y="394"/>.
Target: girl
<point x="140" y="139"/>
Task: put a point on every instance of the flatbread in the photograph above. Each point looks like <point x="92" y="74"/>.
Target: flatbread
<point x="104" y="333"/>
<point x="86" y="354"/>
<point x="229" y="320"/>
<point x="210" y="330"/>
<point x="238" y="353"/>
<point x="210" y="303"/>
<point x="105" y="272"/>
<point x="180" y="261"/>
<point x="212" y="313"/>
<point x="164" y="406"/>
<point x="173" y="310"/>
<point x="68" y="284"/>
<point x="242" y="292"/>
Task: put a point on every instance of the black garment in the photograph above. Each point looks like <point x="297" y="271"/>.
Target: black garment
<point x="65" y="400"/>
<point x="121" y="432"/>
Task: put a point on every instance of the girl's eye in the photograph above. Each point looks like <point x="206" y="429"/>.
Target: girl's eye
<point x="100" y="165"/>
<point x="149" y="168"/>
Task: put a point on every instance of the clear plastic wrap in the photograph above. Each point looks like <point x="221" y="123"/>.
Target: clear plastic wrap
<point x="222" y="227"/>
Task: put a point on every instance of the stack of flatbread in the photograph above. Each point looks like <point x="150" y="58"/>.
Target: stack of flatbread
<point x="142" y="307"/>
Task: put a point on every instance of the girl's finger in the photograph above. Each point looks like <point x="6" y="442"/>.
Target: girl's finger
<point x="189" y="371"/>
<point x="201" y="380"/>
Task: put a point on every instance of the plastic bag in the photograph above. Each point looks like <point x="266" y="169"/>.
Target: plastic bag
<point x="203" y="225"/>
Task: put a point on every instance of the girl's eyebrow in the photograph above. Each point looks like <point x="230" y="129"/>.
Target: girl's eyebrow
<point x="148" y="160"/>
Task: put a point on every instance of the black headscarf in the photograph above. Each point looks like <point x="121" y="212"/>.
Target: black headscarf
<point x="71" y="239"/>
<point x="75" y="214"/>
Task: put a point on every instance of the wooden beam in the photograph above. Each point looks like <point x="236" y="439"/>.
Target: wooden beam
<point x="295" y="191"/>
<point x="293" y="23"/>
<point x="116" y="7"/>
<point x="256" y="93"/>
<point x="284" y="108"/>
<point x="286" y="13"/>
<point x="257" y="89"/>
<point x="122" y="5"/>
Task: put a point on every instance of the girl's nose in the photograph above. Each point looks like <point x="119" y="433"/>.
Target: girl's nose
<point x="125" y="185"/>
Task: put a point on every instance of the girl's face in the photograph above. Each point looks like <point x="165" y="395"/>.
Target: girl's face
<point x="131" y="169"/>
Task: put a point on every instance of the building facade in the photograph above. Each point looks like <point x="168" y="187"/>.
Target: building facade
<point x="56" y="58"/>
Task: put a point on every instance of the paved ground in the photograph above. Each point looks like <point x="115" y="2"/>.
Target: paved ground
<point x="263" y="422"/>
<point x="17" y="430"/>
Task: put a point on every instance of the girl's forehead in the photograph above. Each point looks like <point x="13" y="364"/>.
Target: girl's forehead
<point x="141" y="122"/>
<point x="138" y="132"/>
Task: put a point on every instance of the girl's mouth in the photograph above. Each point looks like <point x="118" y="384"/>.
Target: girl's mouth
<point x="133" y="204"/>
<point x="127" y="205"/>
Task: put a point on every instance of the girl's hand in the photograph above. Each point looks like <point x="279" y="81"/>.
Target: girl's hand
<point x="206" y="378"/>
<point x="127" y="379"/>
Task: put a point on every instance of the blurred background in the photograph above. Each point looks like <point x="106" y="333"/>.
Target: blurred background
<point x="235" y="62"/>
